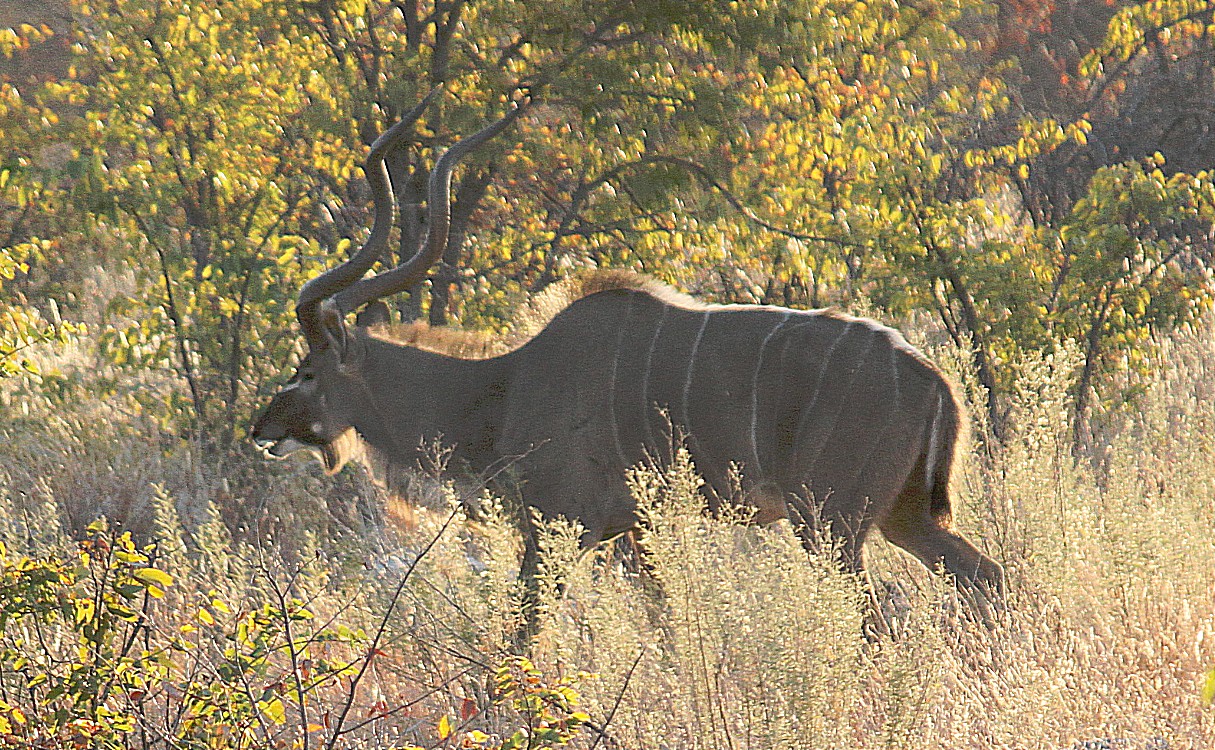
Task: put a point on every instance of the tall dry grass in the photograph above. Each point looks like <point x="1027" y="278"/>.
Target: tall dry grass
<point x="731" y="637"/>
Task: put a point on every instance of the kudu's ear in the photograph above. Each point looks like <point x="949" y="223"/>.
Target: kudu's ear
<point x="334" y="328"/>
<point x="375" y="313"/>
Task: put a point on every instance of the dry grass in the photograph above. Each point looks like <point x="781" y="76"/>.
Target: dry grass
<point x="751" y="643"/>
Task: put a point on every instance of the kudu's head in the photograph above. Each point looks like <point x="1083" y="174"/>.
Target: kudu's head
<point x="316" y="409"/>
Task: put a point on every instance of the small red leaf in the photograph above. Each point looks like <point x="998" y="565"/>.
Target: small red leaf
<point x="468" y="709"/>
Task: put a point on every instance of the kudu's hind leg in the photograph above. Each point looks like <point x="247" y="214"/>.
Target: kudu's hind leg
<point x="822" y="524"/>
<point x="911" y="525"/>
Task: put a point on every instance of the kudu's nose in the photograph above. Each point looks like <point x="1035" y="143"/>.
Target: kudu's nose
<point x="266" y="434"/>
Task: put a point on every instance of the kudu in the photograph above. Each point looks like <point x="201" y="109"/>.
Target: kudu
<point x="836" y="422"/>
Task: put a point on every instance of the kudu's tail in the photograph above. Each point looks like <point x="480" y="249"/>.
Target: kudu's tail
<point x="945" y="433"/>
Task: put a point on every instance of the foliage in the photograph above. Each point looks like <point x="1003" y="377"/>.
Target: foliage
<point x="799" y="153"/>
<point x="1128" y="269"/>
<point x="22" y="195"/>
<point x="23" y="326"/>
<point x="1121" y="268"/>
<point x="548" y="709"/>
<point x="658" y="134"/>
<point x="98" y="651"/>
<point x="747" y="637"/>
<point x="195" y="146"/>
<point x="664" y="137"/>
<point x="760" y="146"/>
<point x="76" y="671"/>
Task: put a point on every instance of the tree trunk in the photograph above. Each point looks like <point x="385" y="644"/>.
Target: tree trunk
<point x="442" y="282"/>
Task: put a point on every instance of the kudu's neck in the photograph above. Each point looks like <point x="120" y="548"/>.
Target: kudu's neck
<point x="412" y="398"/>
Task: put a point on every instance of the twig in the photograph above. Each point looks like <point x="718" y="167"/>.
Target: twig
<point x="412" y="703"/>
<point x="602" y="731"/>
<point x="280" y="593"/>
<point x="373" y="649"/>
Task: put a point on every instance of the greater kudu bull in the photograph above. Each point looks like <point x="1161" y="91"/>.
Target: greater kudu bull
<point x="835" y="421"/>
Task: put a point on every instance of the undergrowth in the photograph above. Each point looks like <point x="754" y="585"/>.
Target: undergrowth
<point x="262" y="605"/>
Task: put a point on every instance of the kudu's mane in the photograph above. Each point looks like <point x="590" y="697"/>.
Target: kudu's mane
<point x="453" y="342"/>
<point x="531" y="319"/>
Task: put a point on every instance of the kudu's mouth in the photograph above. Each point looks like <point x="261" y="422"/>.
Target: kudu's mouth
<point x="282" y="447"/>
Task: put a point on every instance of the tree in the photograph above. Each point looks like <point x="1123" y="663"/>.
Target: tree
<point x="1129" y="268"/>
<point x="1122" y="207"/>
<point x="743" y="150"/>
<point x="800" y="153"/>
<point x="22" y="192"/>
<point x="198" y="144"/>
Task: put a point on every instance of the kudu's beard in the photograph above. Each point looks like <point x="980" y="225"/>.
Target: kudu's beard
<point x="407" y="487"/>
<point x="346" y="447"/>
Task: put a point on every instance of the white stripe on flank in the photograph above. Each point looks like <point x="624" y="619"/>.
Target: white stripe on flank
<point x="934" y="446"/>
<point x="891" y="414"/>
<point x="759" y="363"/>
<point x="645" y="381"/>
<point x="843" y="394"/>
<point x="612" y="384"/>
<point x="894" y="372"/>
<point x="822" y="371"/>
<point x="687" y="383"/>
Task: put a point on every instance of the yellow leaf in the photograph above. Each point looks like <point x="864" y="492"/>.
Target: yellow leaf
<point x="444" y="728"/>
<point x="274" y="709"/>
<point x="153" y="577"/>
<point x="205" y="617"/>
